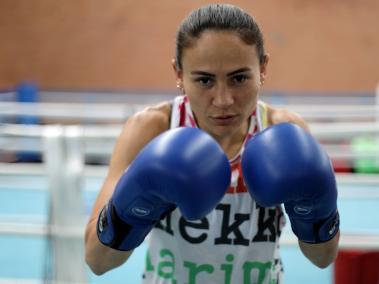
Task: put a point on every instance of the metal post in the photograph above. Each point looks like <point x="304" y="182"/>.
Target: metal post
<point x="64" y="161"/>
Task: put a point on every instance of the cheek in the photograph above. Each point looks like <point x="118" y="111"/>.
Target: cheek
<point x="190" y="89"/>
<point x="249" y="94"/>
<point x="196" y="95"/>
<point x="198" y="101"/>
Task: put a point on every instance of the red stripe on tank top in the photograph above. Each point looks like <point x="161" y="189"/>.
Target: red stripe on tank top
<point x="240" y="186"/>
<point x="235" y="164"/>
<point x="192" y="121"/>
<point x="182" y="114"/>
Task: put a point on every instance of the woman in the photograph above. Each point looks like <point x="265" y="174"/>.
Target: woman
<point x="216" y="233"/>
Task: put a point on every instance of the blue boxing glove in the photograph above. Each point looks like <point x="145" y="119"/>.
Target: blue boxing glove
<point x="285" y="164"/>
<point x="183" y="167"/>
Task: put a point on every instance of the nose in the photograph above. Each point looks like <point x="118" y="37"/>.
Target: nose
<point x="222" y="98"/>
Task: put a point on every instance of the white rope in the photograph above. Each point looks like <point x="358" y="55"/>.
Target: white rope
<point x="38" y="131"/>
<point x="111" y="111"/>
<point x="324" y="111"/>
<point x="38" y="170"/>
<point x="347" y="240"/>
<point x="28" y="229"/>
<point x="99" y="140"/>
<point x="34" y="108"/>
<point x="340" y="130"/>
<point x="319" y="130"/>
<point x="26" y="169"/>
<point x="19" y="281"/>
<point x="33" y="281"/>
<point x="103" y="146"/>
<point x="92" y="112"/>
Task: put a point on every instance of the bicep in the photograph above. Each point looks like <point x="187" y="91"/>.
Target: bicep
<point x="136" y="133"/>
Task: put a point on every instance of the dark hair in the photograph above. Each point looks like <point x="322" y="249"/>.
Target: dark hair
<point x="218" y="17"/>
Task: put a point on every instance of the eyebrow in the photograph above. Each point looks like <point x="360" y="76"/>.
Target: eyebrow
<point x="244" y="69"/>
<point x="203" y="73"/>
<point x="241" y="70"/>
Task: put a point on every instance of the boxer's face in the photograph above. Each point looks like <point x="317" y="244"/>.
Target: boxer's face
<point x="222" y="76"/>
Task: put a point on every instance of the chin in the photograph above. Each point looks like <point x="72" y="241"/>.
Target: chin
<point x="223" y="131"/>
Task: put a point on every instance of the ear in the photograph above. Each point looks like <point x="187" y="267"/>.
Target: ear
<point x="263" y="68"/>
<point x="177" y="70"/>
<point x="179" y="76"/>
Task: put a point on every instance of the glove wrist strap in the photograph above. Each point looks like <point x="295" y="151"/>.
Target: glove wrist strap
<point x="318" y="232"/>
<point x="117" y="234"/>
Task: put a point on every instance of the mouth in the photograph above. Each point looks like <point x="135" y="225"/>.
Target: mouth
<point x="224" y="119"/>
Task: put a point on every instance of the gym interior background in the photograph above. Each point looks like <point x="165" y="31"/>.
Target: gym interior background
<point x="72" y="71"/>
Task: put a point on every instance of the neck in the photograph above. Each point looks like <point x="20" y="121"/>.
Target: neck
<point x="232" y="144"/>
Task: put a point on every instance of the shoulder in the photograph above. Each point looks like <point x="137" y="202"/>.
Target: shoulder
<point x="138" y="130"/>
<point x="144" y="125"/>
<point x="277" y="115"/>
<point x="151" y="120"/>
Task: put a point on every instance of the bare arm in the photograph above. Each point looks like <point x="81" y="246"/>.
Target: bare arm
<point x="137" y="132"/>
<point x="323" y="254"/>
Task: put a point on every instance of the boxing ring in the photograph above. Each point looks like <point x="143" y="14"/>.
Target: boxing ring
<point x="44" y="206"/>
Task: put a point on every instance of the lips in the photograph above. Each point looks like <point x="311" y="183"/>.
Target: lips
<point x="224" y="119"/>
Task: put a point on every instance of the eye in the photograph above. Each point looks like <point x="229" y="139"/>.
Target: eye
<point x="239" y="79"/>
<point x="204" y="81"/>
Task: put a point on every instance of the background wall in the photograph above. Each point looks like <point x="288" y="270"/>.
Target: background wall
<point x="324" y="45"/>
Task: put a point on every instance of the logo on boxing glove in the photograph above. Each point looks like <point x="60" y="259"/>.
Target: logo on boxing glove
<point x="302" y="210"/>
<point x="140" y="211"/>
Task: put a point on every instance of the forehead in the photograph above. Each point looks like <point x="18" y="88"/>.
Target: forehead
<point x="219" y="51"/>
